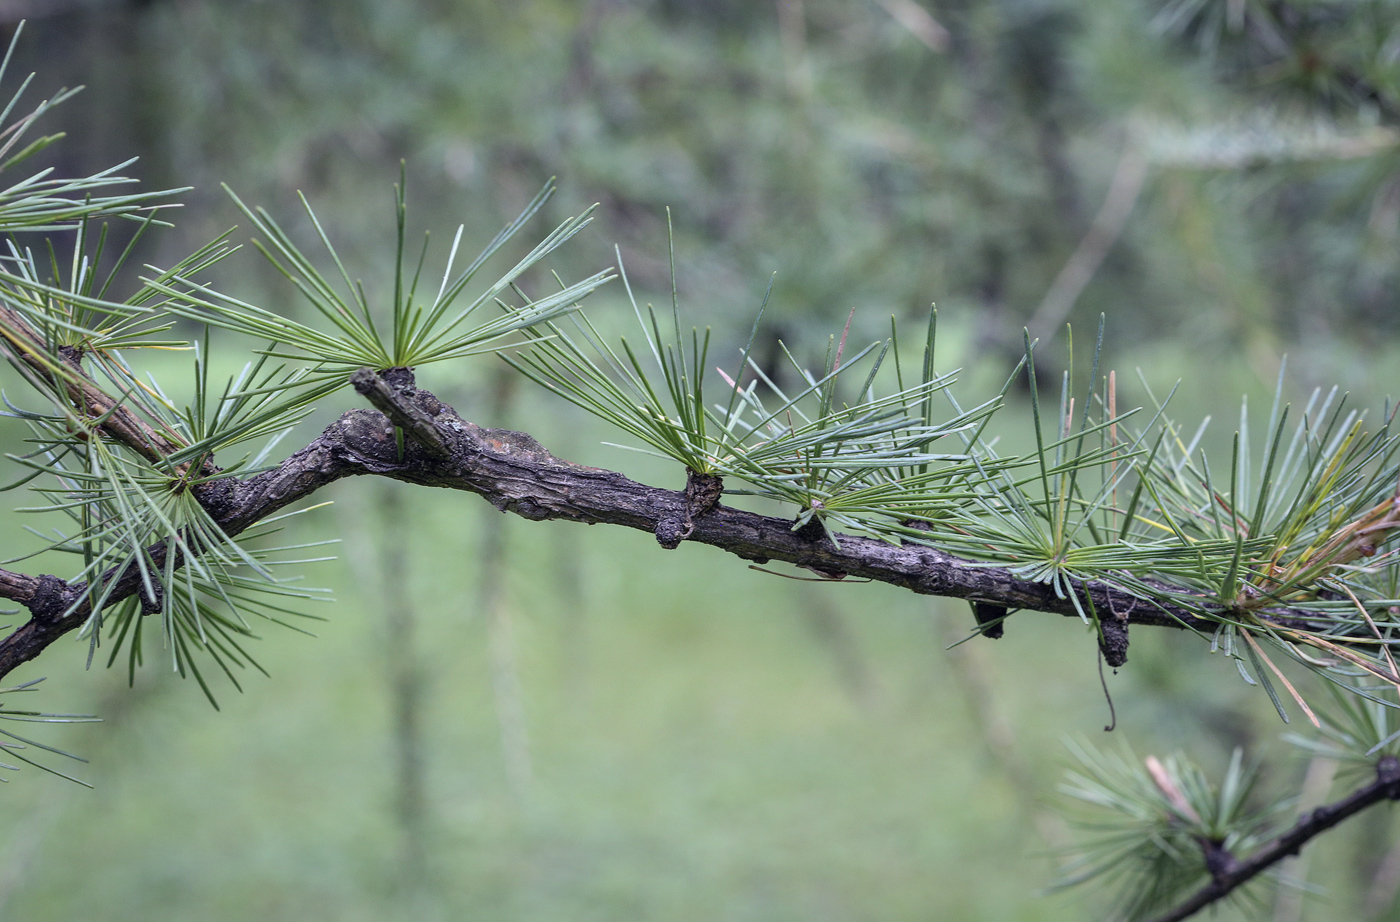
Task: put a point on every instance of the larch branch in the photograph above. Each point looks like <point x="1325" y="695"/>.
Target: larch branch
<point x="516" y="474"/>
<point x="1235" y="872"/>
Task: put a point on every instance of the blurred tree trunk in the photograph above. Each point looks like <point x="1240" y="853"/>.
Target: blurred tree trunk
<point x="492" y="602"/>
<point x="406" y="680"/>
<point x="829" y="626"/>
<point x="121" y="705"/>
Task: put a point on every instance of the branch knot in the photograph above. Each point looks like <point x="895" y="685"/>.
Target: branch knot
<point x="1388" y="773"/>
<point x="1113" y="641"/>
<point x="1219" y="861"/>
<point x="702" y="492"/>
<point x="50" y="600"/>
<point x="393" y="395"/>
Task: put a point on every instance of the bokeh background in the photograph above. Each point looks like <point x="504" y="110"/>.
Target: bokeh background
<point x="504" y="720"/>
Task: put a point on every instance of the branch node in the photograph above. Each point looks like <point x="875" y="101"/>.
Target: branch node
<point x="990" y="619"/>
<point x="49" y="601"/>
<point x="1113" y="641"/>
<point x="1219" y="861"/>
<point x="814" y="532"/>
<point x="671" y="529"/>
<point x="1388" y="773"/>
<point x="390" y="395"/>
<point x="702" y="492"/>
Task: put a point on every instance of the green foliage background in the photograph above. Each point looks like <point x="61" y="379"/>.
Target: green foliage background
<point x="706" y="741"/>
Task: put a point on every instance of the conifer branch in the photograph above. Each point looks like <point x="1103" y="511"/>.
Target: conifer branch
<point x="1230" y="873"/>
<point x="513" y="472"/>
<point x="63" y="372"/>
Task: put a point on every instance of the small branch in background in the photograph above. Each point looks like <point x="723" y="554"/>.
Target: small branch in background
<point x="1293" y="875"/>
<point x="1238" y="872"/>
<point x="919" y="22"/>
<point x="1123" y="192"/>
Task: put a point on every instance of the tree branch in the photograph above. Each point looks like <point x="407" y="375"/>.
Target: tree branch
<point x="1078" y="272"/>
<point x="1236" y="873"/>
<point x="17" y="586"/>
<point x="516" y="474"/>
<point x="392" y="403"/>
<point x="85" y="396"/>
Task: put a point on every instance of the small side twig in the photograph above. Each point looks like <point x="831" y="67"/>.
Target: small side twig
<point x="1123" y="192"/>
<point x="409" y="417"/>
<point x="17" y="587"/>
<point x="63" y="370"/>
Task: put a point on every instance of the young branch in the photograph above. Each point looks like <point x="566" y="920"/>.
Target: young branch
<point x="406" y="415"/>
<point x="516" y="474"/>
<point x="17" y="587"/>
<point x="1233" y="873"/>
<point x="86" y="398"/>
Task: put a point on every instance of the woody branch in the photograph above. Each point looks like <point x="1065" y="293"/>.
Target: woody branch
<point x="516" y="474"/>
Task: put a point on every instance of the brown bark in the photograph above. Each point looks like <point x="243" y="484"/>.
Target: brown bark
<point x="516" y="474"/>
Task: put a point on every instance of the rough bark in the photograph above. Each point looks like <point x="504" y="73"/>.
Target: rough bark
<point x="516" y="474"/>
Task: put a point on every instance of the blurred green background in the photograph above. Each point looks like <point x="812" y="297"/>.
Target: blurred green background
<point x="509" y="720"/>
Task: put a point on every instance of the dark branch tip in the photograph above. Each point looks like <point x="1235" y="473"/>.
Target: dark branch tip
<point x="673" y="528"/>
<point x="1219" y="861"/>
<point x="990" y="619"/>
<point x="363" y="381"/>
<point x="812" y="530"/>
<point x="1113" y="641"/>
<point x="702" y="492"/>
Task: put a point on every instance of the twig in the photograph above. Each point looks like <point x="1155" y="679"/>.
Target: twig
<point x="17" y="587"/>
<point x="64" y="372"/>
<point x="1108" y="225"/>
<point x="919" y="22"/>
<point x="393" y="403"/>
